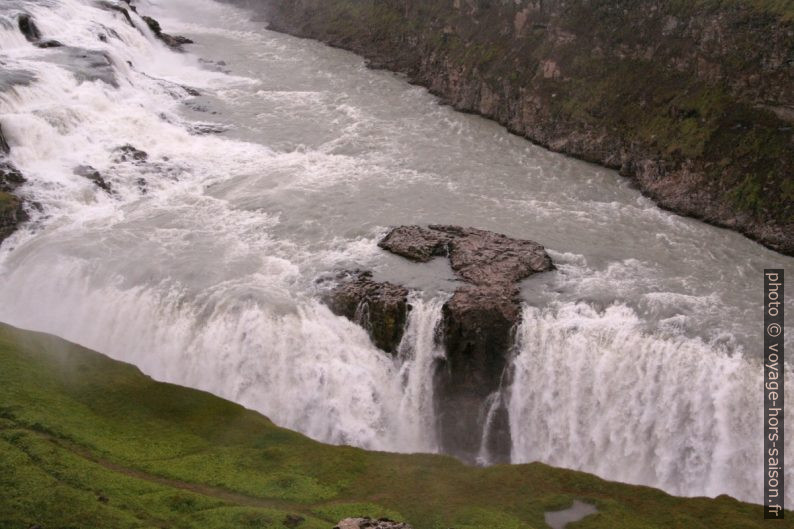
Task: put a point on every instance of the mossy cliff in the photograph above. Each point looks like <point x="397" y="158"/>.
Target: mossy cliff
<point x="692" y="99"/>
<point x="88" y="442"/>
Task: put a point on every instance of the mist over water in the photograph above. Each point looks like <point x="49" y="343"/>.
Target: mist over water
<point x="638" y="359"/>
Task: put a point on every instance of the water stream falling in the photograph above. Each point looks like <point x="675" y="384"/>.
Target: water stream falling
<point x="638" y="359"/>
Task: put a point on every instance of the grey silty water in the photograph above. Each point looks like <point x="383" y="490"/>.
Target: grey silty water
<point x="638" y="359"/>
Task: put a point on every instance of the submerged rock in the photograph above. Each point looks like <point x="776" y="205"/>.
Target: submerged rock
<point x="381" y="308"/>
<point x="369" y="523"/>
<point x="86" y="171"/>
<point x="173" y="41"/>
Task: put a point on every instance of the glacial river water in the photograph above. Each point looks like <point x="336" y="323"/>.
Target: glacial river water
<point x="637" y="360"/>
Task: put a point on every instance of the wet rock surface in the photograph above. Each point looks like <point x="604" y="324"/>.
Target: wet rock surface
<point x="369" y="523"/>
<point x="32" y="33"/>
<point x="12" y="214"/>
<point x="88" y="172"/>
<point x="478" y="324"/>
<point x="379" y="307"/>
<point x="173" y="41"/>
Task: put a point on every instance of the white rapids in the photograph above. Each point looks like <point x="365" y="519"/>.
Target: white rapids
<point x="637" y="360"/>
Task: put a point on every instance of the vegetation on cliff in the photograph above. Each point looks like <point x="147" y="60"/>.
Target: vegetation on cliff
<point x="86" y="442"/>
<point x="694" y="100"/>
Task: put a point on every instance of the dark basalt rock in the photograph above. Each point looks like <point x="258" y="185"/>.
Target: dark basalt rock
<point x="369" y="523"/>
<point x="12" y="207"/>
<point x="381" y="308"/>
<point x="28" y="28"/>
<point x="477" y="256"/>
<point x="4" y="147"/>
<point x="128" y="153"/>
<point x="478" y="324"/>
<point x="86" y="171"/>
<point x="173" y="41"/>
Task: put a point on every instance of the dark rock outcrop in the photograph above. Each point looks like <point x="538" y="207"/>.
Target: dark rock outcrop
<point x="10" y="177"/>
<point x="478" y="323"/>
<point x="110" y="6"/>
<point x="88" y="172"/>
<point x="684" y="98"/>
<point x="172" y="41"/>
<point x="32" y="33"/>
<point x="128" y="153"/>
<point x="381" y="308"/>
<point x="12" y="206"/>
<point x="291" y="521"/>
<point x="369" y="523"/>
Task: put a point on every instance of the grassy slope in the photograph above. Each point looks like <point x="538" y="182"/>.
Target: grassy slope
<point x="86" y="441"/>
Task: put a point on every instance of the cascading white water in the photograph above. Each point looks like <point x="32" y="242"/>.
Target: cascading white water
<point x="594" y="391"/>
<point x="200" y="266"/>
<point x="419" y="351"/>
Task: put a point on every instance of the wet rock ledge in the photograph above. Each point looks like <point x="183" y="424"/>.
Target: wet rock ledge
<point x="12" y="210"/>
<point x="478" y="320"/>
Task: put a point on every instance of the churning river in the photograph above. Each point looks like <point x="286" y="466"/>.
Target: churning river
<point x="639" y="359"/>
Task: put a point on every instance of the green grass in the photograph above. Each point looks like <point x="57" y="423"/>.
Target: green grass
<point x="88" y="442"/>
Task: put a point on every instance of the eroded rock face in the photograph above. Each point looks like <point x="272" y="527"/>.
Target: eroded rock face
<point x="173" y="41"/>
<point x="478" y="324"/>
<point x="32" y="33"/>
<point x="381" y="308"/>
<point x="369" y="523"/>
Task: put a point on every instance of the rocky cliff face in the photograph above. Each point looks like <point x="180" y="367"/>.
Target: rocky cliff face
<point x="693" y="100"/>
<point x="477" y="326"/>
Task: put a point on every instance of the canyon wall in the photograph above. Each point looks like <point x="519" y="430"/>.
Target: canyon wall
<point x="693" y="100"/>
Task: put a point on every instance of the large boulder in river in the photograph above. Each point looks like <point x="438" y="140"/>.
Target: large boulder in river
<point x="379" y="307"/>
<point x="478" y="325"/>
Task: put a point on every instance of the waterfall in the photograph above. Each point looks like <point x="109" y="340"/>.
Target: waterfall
<point x="197" y="260"/>
<point x="594" y="391"/>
